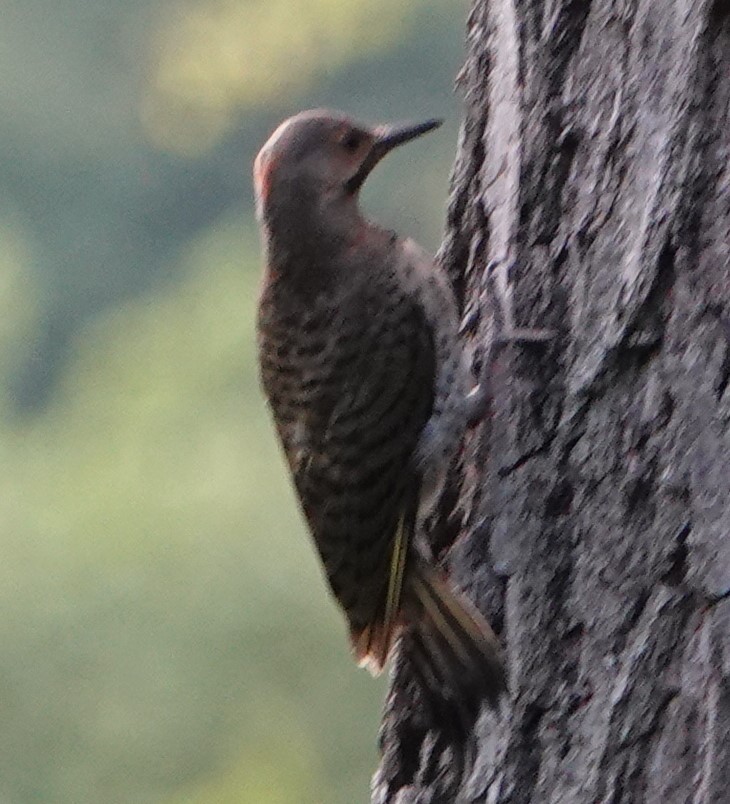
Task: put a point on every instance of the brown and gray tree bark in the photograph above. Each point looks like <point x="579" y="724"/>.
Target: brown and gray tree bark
<point x="591" y="516"/>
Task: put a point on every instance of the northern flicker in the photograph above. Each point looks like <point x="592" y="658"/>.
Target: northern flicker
<point x="370" y="390"/>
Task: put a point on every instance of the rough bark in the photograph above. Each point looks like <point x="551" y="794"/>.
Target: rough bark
<point x="592" y="516"/>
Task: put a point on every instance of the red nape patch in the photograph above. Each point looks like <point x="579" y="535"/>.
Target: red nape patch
<point x="262" y="171"/>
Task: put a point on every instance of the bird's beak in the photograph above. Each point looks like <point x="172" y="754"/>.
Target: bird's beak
<point x="387" y="138"/>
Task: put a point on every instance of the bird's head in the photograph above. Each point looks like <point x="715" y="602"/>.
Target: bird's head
<point x="319" y="156"/>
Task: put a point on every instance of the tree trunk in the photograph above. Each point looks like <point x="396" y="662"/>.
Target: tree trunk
<point x="591" y="195"/>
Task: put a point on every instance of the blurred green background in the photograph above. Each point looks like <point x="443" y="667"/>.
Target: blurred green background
<point x="165" y="632"/>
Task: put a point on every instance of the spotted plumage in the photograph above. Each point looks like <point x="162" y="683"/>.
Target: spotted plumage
<point x="367" y="383"/>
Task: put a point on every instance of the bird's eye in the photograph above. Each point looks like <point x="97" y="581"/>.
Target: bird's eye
<point x="351" y="141"/>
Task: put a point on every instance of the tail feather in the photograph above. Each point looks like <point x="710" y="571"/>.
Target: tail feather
<point x="457" y="644"/>
<point x="452" y="646"/>
<point x="371" y="646"/>
<point x="373" y="643"/>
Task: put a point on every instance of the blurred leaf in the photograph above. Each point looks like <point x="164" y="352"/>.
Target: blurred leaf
<point x="163" y="610"/>
<point x="218" y="56"/>
<point x="166" y="631"/>
<point x="19" y="308"/>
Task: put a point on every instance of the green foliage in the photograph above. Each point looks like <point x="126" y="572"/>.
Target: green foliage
<point x="221" y="55"/>
<point x="165" y="625"/>
<point x="166" y="632"/>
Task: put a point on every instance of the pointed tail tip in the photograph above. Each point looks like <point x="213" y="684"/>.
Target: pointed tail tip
<point x="455" y="648"/>
<point x="371" y="647"/>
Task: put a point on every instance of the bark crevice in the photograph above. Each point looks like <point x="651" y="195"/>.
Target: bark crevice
<point x="589" y="518"/>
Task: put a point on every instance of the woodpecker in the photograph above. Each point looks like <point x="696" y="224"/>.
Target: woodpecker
<point x="371" y="390"/>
